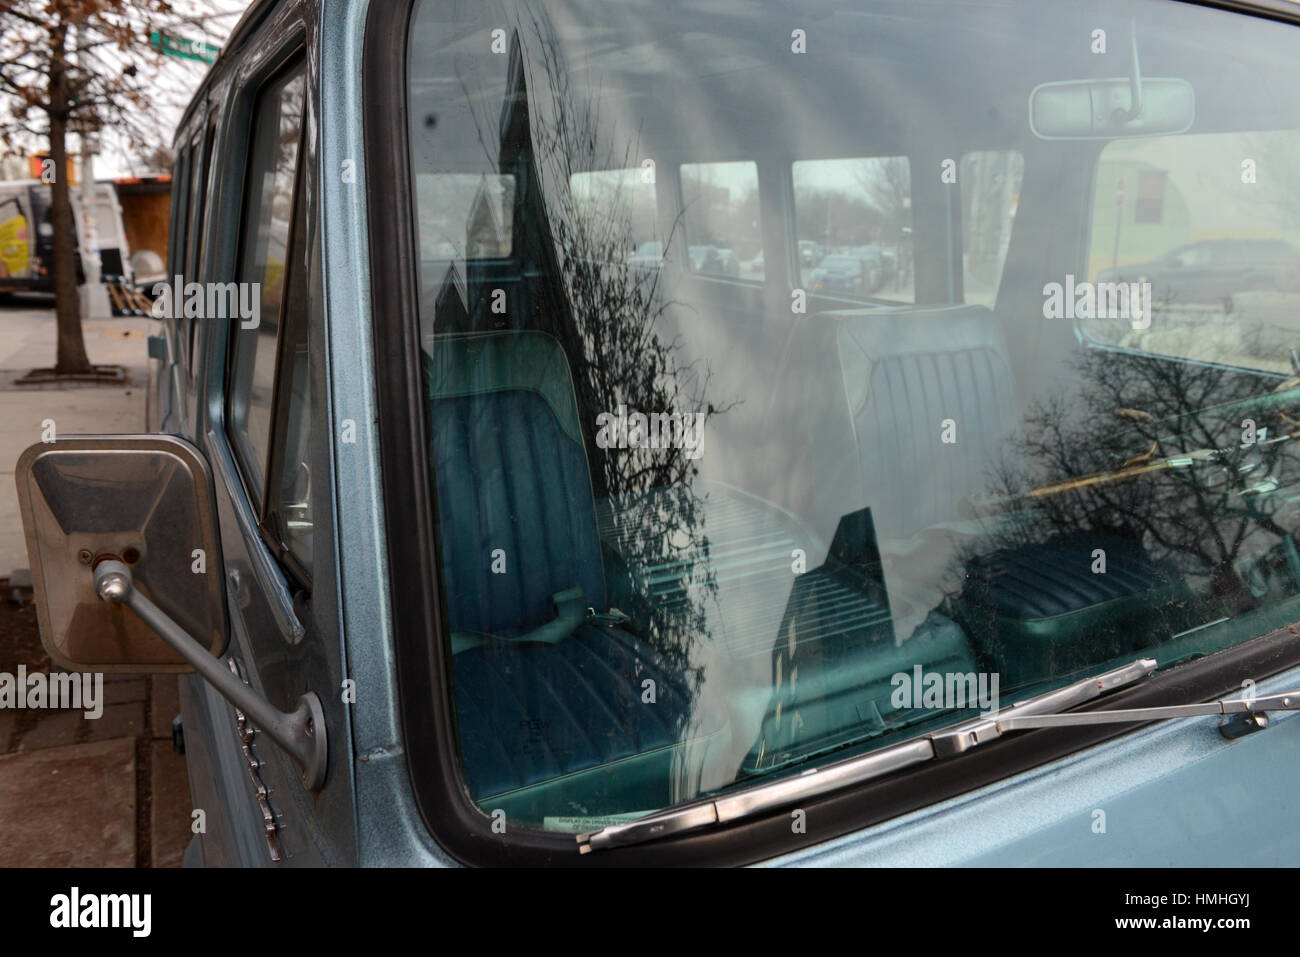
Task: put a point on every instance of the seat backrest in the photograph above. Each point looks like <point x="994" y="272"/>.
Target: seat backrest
<point x="515" y="506"/>
<point x="906" y="371"/>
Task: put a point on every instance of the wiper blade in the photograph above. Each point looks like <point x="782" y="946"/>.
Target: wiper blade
<point x="816" y="781"/>
<point x="1254" y="711"/>
<point x="1287" y="701"/>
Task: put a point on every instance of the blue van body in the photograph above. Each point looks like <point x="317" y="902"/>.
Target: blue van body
<point x="1166" y="793"/>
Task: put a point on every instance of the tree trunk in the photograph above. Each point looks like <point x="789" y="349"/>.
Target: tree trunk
<point x="71" y="358"/>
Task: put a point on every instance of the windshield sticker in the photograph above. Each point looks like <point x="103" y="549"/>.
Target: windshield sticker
<point x="576" y="823"/>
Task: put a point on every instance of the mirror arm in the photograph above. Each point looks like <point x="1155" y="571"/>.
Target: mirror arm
<point x="301" y="734"/>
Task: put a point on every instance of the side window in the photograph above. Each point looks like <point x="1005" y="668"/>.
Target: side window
<point x="189" y="245"/>
<point x="720" y="206"/>
<point x="264" y="239"/>
<point x="1195" y="248"/>
<point x="180" y="211"/>
<point x="990" y="192"/>
<point x="197" y="184"/>
<point x="853" y="220"/>
<point x="288" y="522"/>
<point x="199" y="218"/>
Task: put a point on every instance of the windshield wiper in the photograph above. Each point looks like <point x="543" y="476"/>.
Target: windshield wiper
<point x="1042" y="711"/>
<point x="1253" y="710"/>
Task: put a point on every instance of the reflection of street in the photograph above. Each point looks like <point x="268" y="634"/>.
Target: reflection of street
<point x="1222" y="253"/>
<point x="894" y="282"/>
<point x="1147" y="460"/>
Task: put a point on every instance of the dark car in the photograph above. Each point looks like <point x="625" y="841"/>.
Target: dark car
<point x="714" y="261"/>
<point x="810" y="252"/>
<point x="1212" y="271"/>
<point x="851" y="274"/>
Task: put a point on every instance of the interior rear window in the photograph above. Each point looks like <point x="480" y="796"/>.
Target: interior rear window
<point x="854" y="223"/>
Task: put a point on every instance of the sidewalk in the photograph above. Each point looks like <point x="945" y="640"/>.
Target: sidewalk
<point x="108" y="792"/>
<point x="27" y="341"/>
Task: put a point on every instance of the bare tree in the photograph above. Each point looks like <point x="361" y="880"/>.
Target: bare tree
<point x="887" y="184"/>
<point x="83" y="66"/>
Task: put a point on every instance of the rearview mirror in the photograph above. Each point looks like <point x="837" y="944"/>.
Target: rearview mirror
<point x="143" y="500"/>
<point x="1134" y="105"/>
<point x="1102" y="109"/>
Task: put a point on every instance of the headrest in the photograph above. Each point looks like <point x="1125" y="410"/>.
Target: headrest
<point x="866" y="336"/>
<point x="485" y="362"/>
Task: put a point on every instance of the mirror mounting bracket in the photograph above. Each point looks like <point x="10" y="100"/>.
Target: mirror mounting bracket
<point x="1134" y="75"/>
<point x="300" y="733"/>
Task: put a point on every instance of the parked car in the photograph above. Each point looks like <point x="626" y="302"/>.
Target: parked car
<point x="886" y="256"/>
<point x="810" y="253"/>
<point x="525" y="557"/>
<point x="649" y="254"/>
<point x="850" y="274"/>
<point x="1212" y="271"/>
<point x="714" y="261"/>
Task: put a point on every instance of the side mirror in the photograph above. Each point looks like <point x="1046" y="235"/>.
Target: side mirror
<point x="126" y="566"/>
<point x="143" y="500"/>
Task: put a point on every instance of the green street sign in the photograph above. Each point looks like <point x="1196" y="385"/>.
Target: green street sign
<point x="181" y="47"/>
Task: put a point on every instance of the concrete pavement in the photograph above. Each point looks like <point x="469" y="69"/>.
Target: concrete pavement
<point x="27" y="341"/>
<point x="107" y="792"/>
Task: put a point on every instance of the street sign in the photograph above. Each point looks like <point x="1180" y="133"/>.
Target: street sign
<point x="182" y="47"/>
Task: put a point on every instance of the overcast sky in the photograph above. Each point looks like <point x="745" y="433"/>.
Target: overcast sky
<point x="177" y="81"/>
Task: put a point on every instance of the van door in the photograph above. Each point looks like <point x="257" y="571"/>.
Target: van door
<point x="258" y="440"/>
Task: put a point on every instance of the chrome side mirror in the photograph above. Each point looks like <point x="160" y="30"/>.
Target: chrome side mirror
<point x="126" y="566"/>
<point x="143" y="500"/>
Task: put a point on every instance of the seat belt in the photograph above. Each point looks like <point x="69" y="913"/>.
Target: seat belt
<point x="570" y="612"/>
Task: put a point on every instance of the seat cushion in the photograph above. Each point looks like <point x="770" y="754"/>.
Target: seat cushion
<point x="517" y="523"/>
<point x="517" y="528"/>
<point x="530" y="712"/>
<point x="1056" y="578"/>
<point x="906" y="372"/>
<point x="1038" y="611"/>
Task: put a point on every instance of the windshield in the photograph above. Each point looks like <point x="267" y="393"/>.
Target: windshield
<point x="788" y="395"/>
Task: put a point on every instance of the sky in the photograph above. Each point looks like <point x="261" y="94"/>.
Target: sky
<point x="177" y="81"/>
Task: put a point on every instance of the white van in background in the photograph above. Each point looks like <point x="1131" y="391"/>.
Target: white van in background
<point x="27" y="235"/>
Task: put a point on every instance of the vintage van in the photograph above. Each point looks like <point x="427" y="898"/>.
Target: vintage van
<point x="483" y="536"/>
